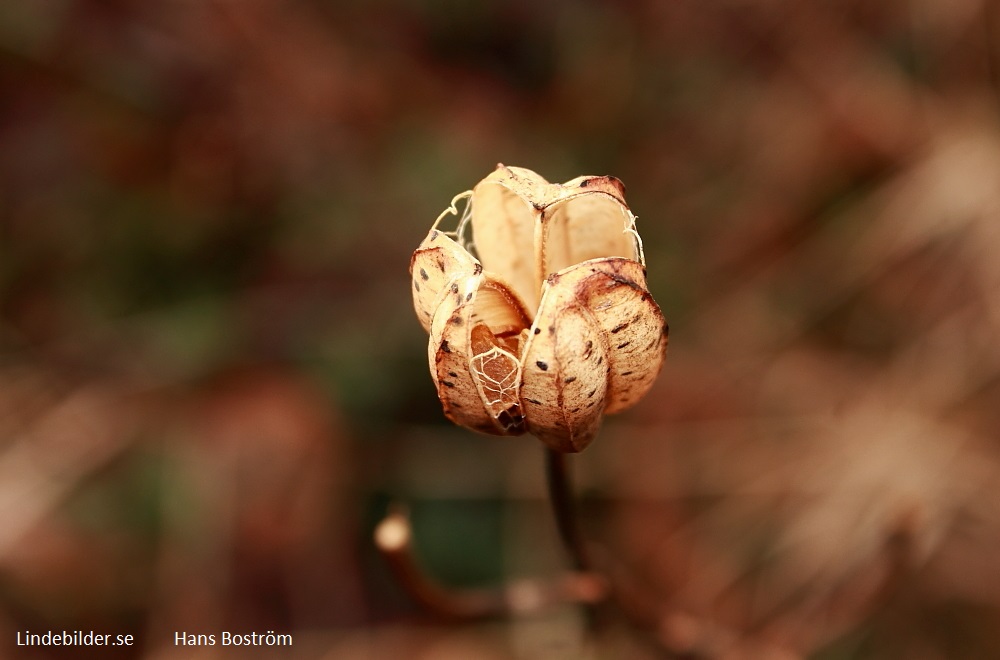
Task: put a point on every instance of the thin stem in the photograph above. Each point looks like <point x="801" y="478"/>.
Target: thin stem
<point x="564" y="508"/>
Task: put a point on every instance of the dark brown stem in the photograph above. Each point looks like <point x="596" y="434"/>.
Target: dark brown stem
<point x="564" y="508"/>
<point x="557" y="476"/>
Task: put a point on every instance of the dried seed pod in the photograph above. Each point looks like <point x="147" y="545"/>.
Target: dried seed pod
<point x="552" y="325"/>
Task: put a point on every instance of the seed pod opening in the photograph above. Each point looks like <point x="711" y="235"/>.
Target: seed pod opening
<point x="525" y="228"/>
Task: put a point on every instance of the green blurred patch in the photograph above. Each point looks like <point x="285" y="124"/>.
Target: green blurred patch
<point x="460" y="541"/>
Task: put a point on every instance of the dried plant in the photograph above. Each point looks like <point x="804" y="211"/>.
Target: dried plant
<point x="552" y="326"/>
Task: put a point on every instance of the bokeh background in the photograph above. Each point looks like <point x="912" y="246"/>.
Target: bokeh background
<point x="212" y="384"/>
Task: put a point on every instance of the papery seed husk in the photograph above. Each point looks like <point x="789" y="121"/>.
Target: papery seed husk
<point x="527" y="228"/>
<point x="564" y="382"/>
<point x="634" y="326"/>
<point x="434" y="266"/>
<point x="568" y="251"/>
<point x="600" y="334"/>
<point x="449" y="351"/>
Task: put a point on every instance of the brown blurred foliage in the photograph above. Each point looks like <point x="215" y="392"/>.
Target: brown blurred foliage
<point x="211" y="381"/>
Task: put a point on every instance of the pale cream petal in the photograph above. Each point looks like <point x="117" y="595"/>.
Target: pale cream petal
<point x="478" y="377"/>
<point x="449" y="352"/>
<point x="434" y="266"/>
<point x="586" y="225"/>
<point x="525" y="228"/>
<point x="503" y="228"/>
<point x="500" y="308"/>
<point x="564" y="380"/>
<point x="633" y="325"/>
<point x="598" y="337"/>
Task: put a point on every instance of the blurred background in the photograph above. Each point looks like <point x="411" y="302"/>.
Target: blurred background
<point x="212" y="382"/>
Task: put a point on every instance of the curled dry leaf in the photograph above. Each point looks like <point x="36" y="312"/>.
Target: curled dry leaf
<point x="552" y="325"/>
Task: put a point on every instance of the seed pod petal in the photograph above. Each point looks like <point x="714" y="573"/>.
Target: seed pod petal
<point x="528" y="228"/>
<point x="449" y="351"/>
<point x="600" y="337"/>
<point x="503" y="222"/>
<point x="565" y="381"/>
<point x="473" y="340"/>
<point x="633" y="325"/>
<point x="434" y="265"/>
<point x="587" y="222"/>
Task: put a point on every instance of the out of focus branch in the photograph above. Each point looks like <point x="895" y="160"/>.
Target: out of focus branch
<point x="72" y="439"/>
<point x="394" y="536"/>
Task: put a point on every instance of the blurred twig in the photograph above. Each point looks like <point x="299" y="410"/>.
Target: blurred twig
<point x="73" y="438"/>
<point x="394" y="536"/>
